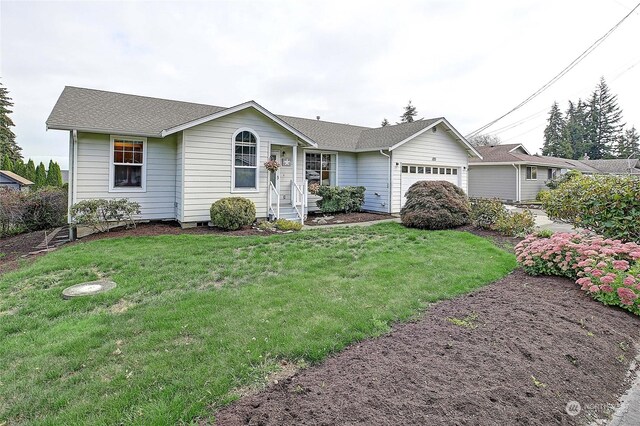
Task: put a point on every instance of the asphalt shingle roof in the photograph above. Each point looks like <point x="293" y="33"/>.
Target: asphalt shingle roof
<point x="328" y="135"/>
<point x="16" y="177"/>
<point x="503" y="154"/>
<point x="111" y="112"/>
<point x="615" y="166"/>
<point x="89" y="109"/>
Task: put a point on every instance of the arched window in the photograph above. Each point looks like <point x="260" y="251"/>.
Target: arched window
<point x="245" y="151"/>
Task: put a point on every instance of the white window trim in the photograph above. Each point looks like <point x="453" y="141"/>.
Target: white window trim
<point x="235" y="190"/>
<point x="531" y="167"/>
<point x="317" y="151"/>
<point x="112" y="165"/>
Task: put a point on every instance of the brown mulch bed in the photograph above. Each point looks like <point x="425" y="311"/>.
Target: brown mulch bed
<point x="345" y="218"/>
<point x="17" y="246"/>
<point x="538" y="343"/>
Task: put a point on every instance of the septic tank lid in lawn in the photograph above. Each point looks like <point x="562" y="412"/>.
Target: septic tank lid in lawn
<point x="87" y="289"/>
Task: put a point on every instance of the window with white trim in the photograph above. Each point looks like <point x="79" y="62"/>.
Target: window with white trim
<point x="127" y="163"/>
<point x="245" y="163"/>
<point x="532" y="173"/>
<point x="320" y="168"/>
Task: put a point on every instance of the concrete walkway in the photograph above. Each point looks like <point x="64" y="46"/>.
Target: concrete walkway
<point x="543" y="221"/>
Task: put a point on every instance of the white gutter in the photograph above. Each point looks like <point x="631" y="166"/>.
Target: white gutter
<point x="388" y="182"/>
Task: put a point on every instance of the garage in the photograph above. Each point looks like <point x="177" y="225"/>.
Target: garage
<point x="412" y="173"/>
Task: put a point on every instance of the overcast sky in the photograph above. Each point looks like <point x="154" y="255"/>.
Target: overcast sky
<point x="350" y="62"/>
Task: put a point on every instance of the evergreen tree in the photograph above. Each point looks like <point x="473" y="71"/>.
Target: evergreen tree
<point x="41" y="176"/>
<point x="603" y="123"/>
<point x="7" y="164"/>
<point x="54" y="175"/>
<point x="19" y="167"/>
<point x="575" y="129"/>
<point x="30" y="171"/>
<point x="408" y="114"/>
<point x="629" y="144"/>
<point x="7" y="137"/>
<point x="384" y="123"/>
<point x="555" y="144"/>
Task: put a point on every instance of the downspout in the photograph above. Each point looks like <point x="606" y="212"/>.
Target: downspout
<point x="517" y="182"/>
<point x="388" y="181"/>
<point x="73" y="149"/>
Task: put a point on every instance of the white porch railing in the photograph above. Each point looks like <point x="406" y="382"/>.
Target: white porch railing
<point x="275" y="212"/>
<point x="299" y="199"/>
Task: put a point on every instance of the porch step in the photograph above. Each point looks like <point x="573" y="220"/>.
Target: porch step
<point x="289" y="213"/>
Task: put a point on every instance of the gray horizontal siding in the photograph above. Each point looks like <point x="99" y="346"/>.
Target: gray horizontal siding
<point x="157" y="202"/>
<point x="347" y="169"/>
<point x="373" y="174"/>
<point x="530" y="188"/>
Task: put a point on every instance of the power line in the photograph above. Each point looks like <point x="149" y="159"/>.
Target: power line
<point x="620" y="72"/>
<point x="558" y="76"/>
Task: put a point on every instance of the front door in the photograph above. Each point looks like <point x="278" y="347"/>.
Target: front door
<point x="275" y="177"/>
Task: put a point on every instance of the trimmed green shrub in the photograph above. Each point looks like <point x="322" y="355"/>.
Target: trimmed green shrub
<point x="516" y="224"/>
<point x="435" y="205"/>
<point x="233" y="213"/>
<point x="340" y="199"/>
<point x="98" y="214"/>
<point x="608" y="205"/>
<point x="486" y="212"/>
<point x="288" y="225"/>
<point x="542" y="195"/>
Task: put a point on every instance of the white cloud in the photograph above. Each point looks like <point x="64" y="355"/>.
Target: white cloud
<point x="353" y="62"/>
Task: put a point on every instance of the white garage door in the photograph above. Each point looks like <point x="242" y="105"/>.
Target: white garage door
<point x="415" y="173"/>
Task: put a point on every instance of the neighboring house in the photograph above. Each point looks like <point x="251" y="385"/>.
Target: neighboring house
<point x="65" y="176"/>
<point x="177" y="158"/>
<point x="629" y="166"/>
<point x="13" y="181"/>
<point x="509" y="172"/>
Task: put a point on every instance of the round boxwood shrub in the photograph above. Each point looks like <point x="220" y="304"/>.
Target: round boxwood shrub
<point x="435" y="205"/>
<point x="233" y="213"/>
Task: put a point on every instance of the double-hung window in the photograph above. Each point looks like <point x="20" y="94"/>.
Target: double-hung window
<point x="128" y="160"/>
<point x="245" y="155"/>
<point x="320" y="168"/>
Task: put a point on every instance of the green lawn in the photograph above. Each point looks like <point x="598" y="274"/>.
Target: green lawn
<point x="195" y="317"/>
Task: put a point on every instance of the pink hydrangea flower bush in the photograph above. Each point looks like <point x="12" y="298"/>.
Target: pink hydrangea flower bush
<point x="608" y="270"/>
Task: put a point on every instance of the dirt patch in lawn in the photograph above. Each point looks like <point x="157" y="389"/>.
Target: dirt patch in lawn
<point x="319" y="219"/>
<point x="13" y="248"/>
<point x="515" y="352"/>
